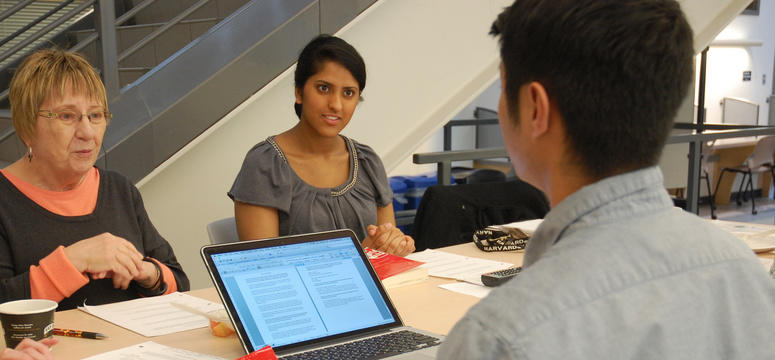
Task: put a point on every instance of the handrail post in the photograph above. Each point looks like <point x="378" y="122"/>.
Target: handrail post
<point x="693" y="185"/>
<point x="695" y="146"/>
<point x="701" y="91"/>
<point x="444" y="172"/>
<point x="447" y="137"/>
<point x="106" y="47"/>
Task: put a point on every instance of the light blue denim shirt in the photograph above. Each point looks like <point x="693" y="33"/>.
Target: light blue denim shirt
<point x="616" y="272"/>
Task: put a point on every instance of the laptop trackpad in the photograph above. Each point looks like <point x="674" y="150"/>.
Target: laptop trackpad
<point x="423" y="354"/>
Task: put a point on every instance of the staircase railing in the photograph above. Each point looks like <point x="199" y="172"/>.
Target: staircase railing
<point x="14" y="9"/>
<point x="444" y="159"/>
<point x="105" y="26"/>
<point x="30" y="25"/>
<point x="38" y="34"/>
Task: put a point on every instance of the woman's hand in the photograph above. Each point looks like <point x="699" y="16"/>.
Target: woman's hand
<point x="107" y="256"/>
<point x="149" y="276"/>
<point x="30" y="349"/>
<point x="388" y="238"/>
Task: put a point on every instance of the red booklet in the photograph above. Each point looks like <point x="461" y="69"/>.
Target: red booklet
<point x="388" y="265"/>
<point x="264" y="353"/>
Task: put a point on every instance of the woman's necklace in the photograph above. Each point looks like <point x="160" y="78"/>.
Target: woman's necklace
<point x="65" y="188"/>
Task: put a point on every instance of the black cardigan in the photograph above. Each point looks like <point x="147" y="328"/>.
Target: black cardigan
<point x="28" y="233"/>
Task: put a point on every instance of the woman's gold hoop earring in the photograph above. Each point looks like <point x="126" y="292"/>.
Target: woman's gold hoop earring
<point x="29" y="153"/>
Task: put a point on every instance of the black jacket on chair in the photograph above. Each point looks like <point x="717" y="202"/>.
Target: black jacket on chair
<point x="449" y="214"/>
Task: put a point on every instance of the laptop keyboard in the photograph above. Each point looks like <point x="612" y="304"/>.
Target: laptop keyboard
<point x="377" y="347"/>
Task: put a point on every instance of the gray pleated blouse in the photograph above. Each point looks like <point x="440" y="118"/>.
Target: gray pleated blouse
<point x="267" y="179"/>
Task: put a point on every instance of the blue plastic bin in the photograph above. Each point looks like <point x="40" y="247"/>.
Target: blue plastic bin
<point x="399" y="187"/>
<point x="416" y="186"/>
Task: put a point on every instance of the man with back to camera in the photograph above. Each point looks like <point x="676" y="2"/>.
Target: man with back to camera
<point x="589" y="92"/>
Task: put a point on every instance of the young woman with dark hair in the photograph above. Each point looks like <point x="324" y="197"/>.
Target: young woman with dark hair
<point x="310" y="178"/>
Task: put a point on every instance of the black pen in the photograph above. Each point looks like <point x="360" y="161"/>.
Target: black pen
<point x="79" y="333"/>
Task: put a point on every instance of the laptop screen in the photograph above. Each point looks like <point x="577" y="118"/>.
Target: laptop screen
<point x="300" y="290"/>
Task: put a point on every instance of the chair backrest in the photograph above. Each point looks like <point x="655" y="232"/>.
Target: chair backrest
<point x="449" y="214"/>
<point x="222" y="231"/>
<point x="485" y="175"/>
<point x="762" y="152"/>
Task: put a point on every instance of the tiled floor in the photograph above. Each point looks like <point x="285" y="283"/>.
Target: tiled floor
<point x="765" y="211"/>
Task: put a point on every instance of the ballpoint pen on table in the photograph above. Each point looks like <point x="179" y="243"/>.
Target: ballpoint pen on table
<point x="79" y="333"/>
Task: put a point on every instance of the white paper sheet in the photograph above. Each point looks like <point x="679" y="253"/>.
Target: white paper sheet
<point x="154" y="316"/>
<point x="464" y="268"/>
<point x="759" y="237"/>
<point x="150" y="350"/>
<point x="767" y="263"/>
<point x="479" y="291"/>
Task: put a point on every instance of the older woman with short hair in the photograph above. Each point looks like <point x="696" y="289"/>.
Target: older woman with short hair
<point x="71" y="232"/>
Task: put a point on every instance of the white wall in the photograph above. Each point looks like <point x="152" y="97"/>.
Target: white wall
<point x="709" y="17"/>
<point x="726" y="64"/>
<point x="463" y="137"/>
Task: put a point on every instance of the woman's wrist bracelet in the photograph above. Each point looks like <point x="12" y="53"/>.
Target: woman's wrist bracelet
<point x="159" y="286"/>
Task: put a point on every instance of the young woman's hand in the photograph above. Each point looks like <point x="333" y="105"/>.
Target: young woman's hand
<point x="388" y="238"/>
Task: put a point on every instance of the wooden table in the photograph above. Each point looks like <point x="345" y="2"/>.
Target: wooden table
<point x="424" y="305"/>
<point x="198" y="340"/>
<point x="427" y="306"/>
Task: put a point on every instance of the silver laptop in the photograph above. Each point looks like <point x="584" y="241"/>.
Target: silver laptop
<point x="312" y="292"/>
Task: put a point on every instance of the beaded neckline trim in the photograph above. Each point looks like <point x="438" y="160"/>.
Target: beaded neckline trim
<point x="271" y="141"/>
<point x="353" y="155"/>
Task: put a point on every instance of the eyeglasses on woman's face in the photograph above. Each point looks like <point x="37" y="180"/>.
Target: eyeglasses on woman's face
<point x="69" y="117"/>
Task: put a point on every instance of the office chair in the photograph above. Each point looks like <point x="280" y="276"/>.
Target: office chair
<point x="759" y="161"/>
<point x="449" y="214"/>
<point x="222" y="231"/>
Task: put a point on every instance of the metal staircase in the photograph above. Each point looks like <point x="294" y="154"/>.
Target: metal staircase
<point x="171" y="68"/>
<point x="146" y="32"/>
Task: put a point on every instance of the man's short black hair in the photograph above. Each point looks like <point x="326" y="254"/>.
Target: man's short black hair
<point x="617" y="70"/>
